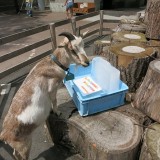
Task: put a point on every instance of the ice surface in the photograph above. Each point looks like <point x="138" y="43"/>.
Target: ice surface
<point x="105" y="74"/>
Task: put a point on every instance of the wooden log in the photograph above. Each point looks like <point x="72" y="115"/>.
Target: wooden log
<point x="99" y="45"/>
<point x="147" y="98"/>
<point x="146" y="11"/>
<point x="126" y="36"/>
<point x="105" y="136"/>
<point x="134" y="27"/>
<point x="137" y="115"/>
<point x="132" y="60"/>
<point x="151" y="142"/>
<point x="156" y="45"/>
<point x="153" y="25"/>
<point x="108" y="135"/>
<point x="129" y="21"/>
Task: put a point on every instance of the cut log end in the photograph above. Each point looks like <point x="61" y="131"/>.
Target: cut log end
<point x="132" y="60"/>
<point x="111" y="134"/>
<point x="125" y="36"/>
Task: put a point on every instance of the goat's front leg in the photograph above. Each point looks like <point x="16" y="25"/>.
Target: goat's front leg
<point x="54" y="105"/>
<point x="52" y="94"/>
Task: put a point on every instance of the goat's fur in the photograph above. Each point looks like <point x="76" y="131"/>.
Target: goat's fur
<point x="36" y="97"/>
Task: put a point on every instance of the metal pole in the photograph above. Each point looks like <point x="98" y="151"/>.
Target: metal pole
<point x="101" y="23"/>
<point x="53" y="35"/>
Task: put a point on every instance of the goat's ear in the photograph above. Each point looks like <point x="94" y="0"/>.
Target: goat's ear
<point x="84" y="34"/>
<point x="68" y="35"/>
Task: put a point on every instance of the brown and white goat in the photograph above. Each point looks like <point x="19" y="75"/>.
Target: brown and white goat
<point x="36" y="97"/>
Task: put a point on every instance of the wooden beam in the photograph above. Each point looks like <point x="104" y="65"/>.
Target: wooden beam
<point x="23" y="34"/>
<point x="23" y="64"/>
<point x="23" y="50"/>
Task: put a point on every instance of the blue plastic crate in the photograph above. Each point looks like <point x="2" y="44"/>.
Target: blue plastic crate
<point x="96" y="102"/>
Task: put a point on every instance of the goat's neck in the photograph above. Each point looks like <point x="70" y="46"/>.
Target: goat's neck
<point x="63" y="55"/>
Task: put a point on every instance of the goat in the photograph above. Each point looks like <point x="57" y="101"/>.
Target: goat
<point x="36" y="97"/>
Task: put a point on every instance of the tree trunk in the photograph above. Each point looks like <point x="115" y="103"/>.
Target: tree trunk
<point x="150" y="148"/>
<point x="132" y="60"/>
<point x="99" y="46"/>
<point x="147" y="98"/>
<point x="153" y="25"/>
<point x="126" y="36"/>
<point x="146" y="11"/>
<point x="108" y="135"/>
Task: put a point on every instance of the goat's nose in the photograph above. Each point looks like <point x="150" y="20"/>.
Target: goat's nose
<point x="84" y="60"/>
<point x="85" y="63"/>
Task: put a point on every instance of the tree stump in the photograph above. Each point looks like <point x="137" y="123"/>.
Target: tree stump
<point x="99" y="45"/>
<point x="108" y="135"/>
<point x="147" y="98"/>
<point x="155" y="44"/>
<point x="132" y="60"/>
<point x="141" y="118"/>
<point x="151" y="143"/>
<point x="129" y="21"/>
<point x="125" y="36"/>
<point x="153" y="25"/>
<point x="134" y="27"/>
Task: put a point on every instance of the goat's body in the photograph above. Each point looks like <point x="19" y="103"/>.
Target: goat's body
<point x="31" y="109"/>
<point x="33" y="102"/>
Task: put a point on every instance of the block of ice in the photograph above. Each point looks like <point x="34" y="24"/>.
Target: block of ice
<point x="105" y="74"/>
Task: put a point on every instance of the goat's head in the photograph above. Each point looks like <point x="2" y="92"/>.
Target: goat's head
<point x="76" y="46"/>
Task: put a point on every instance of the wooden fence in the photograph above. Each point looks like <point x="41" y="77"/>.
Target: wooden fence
<point x="21" y="70"/>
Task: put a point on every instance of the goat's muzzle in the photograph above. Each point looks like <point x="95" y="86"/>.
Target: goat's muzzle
<point x="83" y="60"/>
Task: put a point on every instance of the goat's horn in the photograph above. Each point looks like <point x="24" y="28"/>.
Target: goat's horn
<point x="68" y="35"/>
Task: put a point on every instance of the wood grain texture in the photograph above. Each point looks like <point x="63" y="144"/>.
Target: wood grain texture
<point x="120" y="37"/>
<point x="153" y="25"/>
<point x="151" y="142"/>
<point x="132" y="66"/>
<point x="107" y="135"/>
<point x="147" y="98"/>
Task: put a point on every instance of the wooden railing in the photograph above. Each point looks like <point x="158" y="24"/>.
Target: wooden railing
<point x="21" y="69"/>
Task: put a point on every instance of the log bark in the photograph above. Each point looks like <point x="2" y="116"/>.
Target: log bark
<point x="133" y="27"/>
<point x="146" y="11"/>
<point x="99" y="46"/>
<point x="147" y="98"/>
<point x="153" y="25"/>
<point x="151" y="142"/>
<point x="156" y="45"/>
<point x="132" y="66"/>
<point x="108" y="135"/>
<point x="126" y="36"/>
<point x="130" y="111"/>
